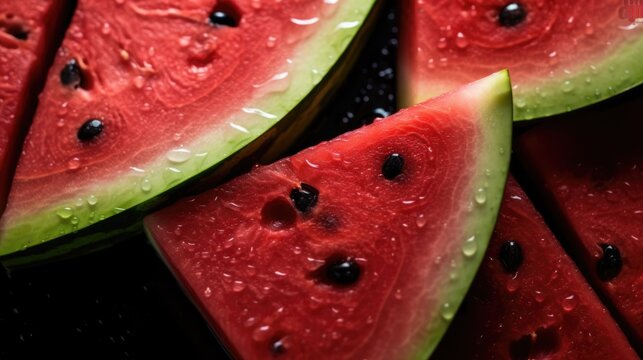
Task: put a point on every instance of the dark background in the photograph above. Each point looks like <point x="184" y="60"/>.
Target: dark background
<point x="122" y="303"/>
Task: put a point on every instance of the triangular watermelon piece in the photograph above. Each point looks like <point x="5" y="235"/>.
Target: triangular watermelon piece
<point x="529" y="300"/>
<point x="361" y="247"/>
<point x="146" y="97"/>
<point x="562" y="54"/>
<point x="589" y="169"/>
<point x="27" y="32"/>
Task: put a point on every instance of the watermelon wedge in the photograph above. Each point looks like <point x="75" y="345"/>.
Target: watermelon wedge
<point x="361" y="247"/>
<point x="146" y="96"/>
<point x="529" y="300"/>
<point x="591" y="180"/>
<point x="562" y="54"/>
<point x="27" y="30"/>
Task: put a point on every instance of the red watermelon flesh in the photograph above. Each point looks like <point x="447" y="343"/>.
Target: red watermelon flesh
<point x="531" y="303"/>
<point x="590" y="172"/>
<point x="27" y="29"/>
<point x="375" y="263"/>
<point x="160" y="92"/>
<point x="562" y="54"/>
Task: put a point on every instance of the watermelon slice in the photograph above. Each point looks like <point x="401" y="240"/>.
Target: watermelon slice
<point x="529" y="301"/>
<point x="591" y="180"/>
<point x="27" y="29"/>
<point x="362" y="247"/>
<point x="146" y="95"/>
<point x="562" y="54"/>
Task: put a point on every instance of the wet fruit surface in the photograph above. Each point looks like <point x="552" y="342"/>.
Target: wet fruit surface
<point x="562" y="54"/>
<point x="27" y="41"/>
<point x="390" y="260"/>
<point x="542" y="309"/>
<point x="590" y="177"/>
<point x="92" y="308"/>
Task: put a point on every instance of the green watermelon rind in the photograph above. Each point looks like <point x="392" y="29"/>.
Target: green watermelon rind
<point x="585" y="85"/>
<point x="588" y="82"/>
<point x="315" y="71"/>
<point x="493" y="95"/>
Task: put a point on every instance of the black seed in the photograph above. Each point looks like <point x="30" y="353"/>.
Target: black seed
<point x="90" y="130"/>
<point x="278" y="347"/>
<point x="512" y="14"/>
<point x="220" y="18"/>
<point x="511" y="256"/>
<point x="304" y="197"/>
<point x="393" y="166"/>
<point x="20" y="34"/>
<point x="610" y="265"/>
<point x="342" y="271"/>
<point x="71" y="74"/>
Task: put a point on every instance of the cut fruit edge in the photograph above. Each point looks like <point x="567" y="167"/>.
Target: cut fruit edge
<point x="617" y="73"/>
<point x="21" y="229"/>
<point x="491" y="99"/>
<point x="488" y="105"/>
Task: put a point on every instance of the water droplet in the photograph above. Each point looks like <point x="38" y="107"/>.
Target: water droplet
<point x="513" y="284"/>
<point x="568" y="86"/>
<point x="461" y="41"/>
<point x="570" y="302"/>
<point x="261" y="333"/>
<point x="271" y="41"/>
<point x="65" y="213"/>
<point x="172" y="175"/>
<point x="250" y="321"/>
<point x="207" y="292"/>
<point x="92" y="200"/>
<point x="470" y="247"/>
<point x="73" y="164"/>
<point x="501" y="150"/>
<point x="179" y="155"/>
<point x="146" y="185"/>
<point x="74" y="220"/>
<point x="442" y="43"/>
<point x="447" y="312"/>
<point x="481" y="196"/>
<point x="238" y="286"/>
<point x="539" y="297"/>
<point x="520" y="103"/>
<point x="589" y="29"/>
<point x="420" y="221"/>
<point x="255" y="111"/>
<point x="398" y="294"/>
<point x="139" y="82"/>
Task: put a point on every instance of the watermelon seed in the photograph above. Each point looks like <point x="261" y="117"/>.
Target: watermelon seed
<point x="90" y="130"/>
<point x="278" y="347"/>
<point x="71" y="75"/>
<point x="511" y="256"/>
<point x="340" y="271"/>
<point x="304" y="197"/>
<point x="278" y="214"/>
<point x="225" y="14"/>
<point x="393" y="166"/>
<point x="609" y="266"/>
<point x="512" y="14"/>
